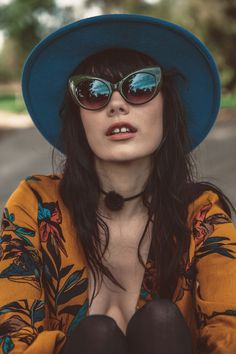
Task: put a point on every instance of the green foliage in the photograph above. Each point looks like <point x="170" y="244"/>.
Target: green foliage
<point x="24" y="25"/>
<point x="213" y="21"/>
<point x="20" y="20"/>
<point x="229" y="100"/>
<point x="12" y="103"/>
<point x="162" y="8"/>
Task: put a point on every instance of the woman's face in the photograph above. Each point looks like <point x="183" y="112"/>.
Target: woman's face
<point x="147" y="119"/>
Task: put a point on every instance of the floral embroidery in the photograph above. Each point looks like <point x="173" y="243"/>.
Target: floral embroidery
<point x="25" y="330"/>
<point x="26" y="266"/>
<point x="8" y="225"/>
<point x="203" y="318"/>
<point x="203" y="226"/>
<point x="49" y="220"/>
<point x="64" y="285"/>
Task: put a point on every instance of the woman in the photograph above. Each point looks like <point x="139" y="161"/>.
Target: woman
<point x="125" y="98"/>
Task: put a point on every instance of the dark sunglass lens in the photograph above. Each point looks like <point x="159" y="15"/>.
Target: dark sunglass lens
<point x="92" y="93"/>
<point x="139" y="88"/>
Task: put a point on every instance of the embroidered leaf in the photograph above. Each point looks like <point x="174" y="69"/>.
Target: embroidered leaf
<point x="24" y="231"/>
<point x="5" y="238"/>
<point x="13" y="305"/>
<point x="73" y="279"/>
<point x="13" y="324"/>
<point x="50" y="305"/>
<point x="32" y="178"/>
<point x="221" y="251"/>
<point x="79" y="316"/>
<point x="7" y="345"/>
<point x="10" y="217"/>
<point x="215" y="239"/>
<point x="64" y="271"/>
<point x="230" y="312"/>
<point x="40" y="329"/>
<point x="73" y="286"/>
<point x="215" y="245"/>
<point x="55" y="256"/>
<point x="51" y="271"/>
<point x="51" y="289"/>
<point x="37" y="312"/>
<point x="211" y="246"/>
<point x="72" y="310"/>
<point x="218" y="219"/>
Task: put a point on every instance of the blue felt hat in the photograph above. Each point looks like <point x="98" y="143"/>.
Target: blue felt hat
<point x="49" y="65"/>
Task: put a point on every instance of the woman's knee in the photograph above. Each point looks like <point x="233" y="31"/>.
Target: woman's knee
<point x="102" y="324"/>
<point x="164" y="309"/>
<point x="158" y="312"/>
<point x="159" y="324"/>
<point x="96" y="334"/>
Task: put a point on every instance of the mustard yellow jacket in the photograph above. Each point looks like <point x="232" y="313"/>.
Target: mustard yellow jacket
<point x="44" y="276"/>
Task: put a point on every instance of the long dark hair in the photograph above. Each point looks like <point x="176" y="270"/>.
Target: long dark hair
<point x="171" y="182"/>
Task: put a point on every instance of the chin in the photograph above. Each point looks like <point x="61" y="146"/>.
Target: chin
<point x="126" y="158"/>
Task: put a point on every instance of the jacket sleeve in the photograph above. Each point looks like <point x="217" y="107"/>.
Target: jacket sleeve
<point x="215" y="292"/>
<point x="23" y="311"/>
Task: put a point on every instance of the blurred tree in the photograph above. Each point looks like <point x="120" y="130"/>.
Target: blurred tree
<point x="217" y="19"/>
<point x="161" y="8"/>
<point x="214" y="21"/>
<point x="26" y="22"/>
<point x="8" y="62"/>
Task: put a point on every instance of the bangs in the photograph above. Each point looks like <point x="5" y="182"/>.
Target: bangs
<point x="114" y="63"/>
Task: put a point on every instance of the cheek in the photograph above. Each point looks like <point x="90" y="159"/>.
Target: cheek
<point x="154" y="125"/>
<point x="156" y="132"/>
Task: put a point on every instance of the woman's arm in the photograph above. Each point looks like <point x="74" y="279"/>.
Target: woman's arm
<point x="215" y="291"/>
<point x="24" y="326"/>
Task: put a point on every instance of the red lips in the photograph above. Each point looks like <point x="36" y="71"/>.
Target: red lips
<point x="119" y="125"/>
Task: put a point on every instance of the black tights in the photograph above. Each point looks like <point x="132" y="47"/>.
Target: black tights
<point x="156" y="328"/>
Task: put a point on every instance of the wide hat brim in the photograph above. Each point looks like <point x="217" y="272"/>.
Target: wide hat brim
<point x="51" y="62"/>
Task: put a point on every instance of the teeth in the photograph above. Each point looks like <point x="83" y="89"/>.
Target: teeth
<point x="117" y="130"/>
<point x="122" y="130"/>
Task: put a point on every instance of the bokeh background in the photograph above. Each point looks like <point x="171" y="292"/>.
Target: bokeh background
<point x="23" y="23"/>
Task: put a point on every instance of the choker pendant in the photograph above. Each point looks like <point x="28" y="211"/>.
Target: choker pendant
<point x="115" y="201"/>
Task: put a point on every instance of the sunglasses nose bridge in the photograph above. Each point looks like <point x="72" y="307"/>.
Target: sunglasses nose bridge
<point x="116" y="87"/>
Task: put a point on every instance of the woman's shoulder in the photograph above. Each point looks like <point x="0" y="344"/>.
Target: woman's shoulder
<point x="204" y="197"/>
<point x="36" y="187"/>
<point x="42" y="181"/>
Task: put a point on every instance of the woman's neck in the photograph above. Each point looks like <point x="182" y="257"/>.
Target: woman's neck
<point x="127" y="179"/>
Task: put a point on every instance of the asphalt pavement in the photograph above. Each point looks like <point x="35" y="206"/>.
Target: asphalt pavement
<point x="23" y="152"/>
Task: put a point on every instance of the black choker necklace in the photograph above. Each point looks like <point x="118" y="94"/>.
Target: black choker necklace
<point x="115" y="201"/>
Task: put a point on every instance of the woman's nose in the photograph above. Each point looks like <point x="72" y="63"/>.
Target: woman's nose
<point x="117" y="105"/>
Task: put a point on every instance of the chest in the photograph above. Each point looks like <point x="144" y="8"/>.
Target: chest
<point x="121" y="258"/>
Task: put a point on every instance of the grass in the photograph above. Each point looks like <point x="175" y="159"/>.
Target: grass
<point x="228" y="101"/>
<point x="15" y="103"/>
<point x="12" y="103"/>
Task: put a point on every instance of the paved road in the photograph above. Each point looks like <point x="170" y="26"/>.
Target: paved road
<point x="24" y="152"/>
